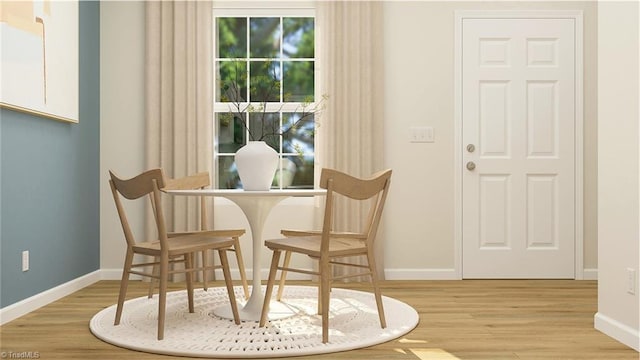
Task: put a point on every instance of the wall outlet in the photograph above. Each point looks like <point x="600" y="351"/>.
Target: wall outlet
<point x="631" y="281"/>
<point x="25" y="260"/>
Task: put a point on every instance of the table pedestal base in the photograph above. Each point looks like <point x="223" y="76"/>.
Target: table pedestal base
<point x="277" y="310"/>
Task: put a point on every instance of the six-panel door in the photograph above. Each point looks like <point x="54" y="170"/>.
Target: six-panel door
<point x="518" y="114"/>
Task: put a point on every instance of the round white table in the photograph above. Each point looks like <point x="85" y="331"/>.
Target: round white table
<point x="256" y="206"/>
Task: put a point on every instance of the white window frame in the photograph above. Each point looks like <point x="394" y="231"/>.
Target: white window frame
<point x="263" y="9"/>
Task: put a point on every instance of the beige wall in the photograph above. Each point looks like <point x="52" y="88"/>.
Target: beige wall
<point x="619" y="157"/>
<point x="419" y="55"/>
<point x="121" y="116"/>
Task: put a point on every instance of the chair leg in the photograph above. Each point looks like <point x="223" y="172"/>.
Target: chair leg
<point x="243" y="273"/>
<point x="325" y="290"/>
<point x="204" y="270"/>
<point x="213" y="271"/>
<point x="227" y="279"/>
<point x="272" y="279"/>
<point x="376" y="289"/>
<point x="124" y="283"/>
<point x="152" y="281"/>
<point x="319" y="279"/>
<point x="189" y="272"/>
<point x="283" y="274"/>
<point x="162" y="293"/>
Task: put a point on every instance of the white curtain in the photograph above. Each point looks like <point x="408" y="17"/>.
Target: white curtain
<point x="351" y="137"/>
<point x="179" y="99"/>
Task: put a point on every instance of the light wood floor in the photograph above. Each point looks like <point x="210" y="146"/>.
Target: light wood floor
<point x="471" y="319"/>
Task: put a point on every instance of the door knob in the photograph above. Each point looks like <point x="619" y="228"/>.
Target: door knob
<point x="471" y="165"/>
<point x="471" y="148"/>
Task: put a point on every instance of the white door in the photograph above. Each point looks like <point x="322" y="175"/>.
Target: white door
<point x="518" y="130"/>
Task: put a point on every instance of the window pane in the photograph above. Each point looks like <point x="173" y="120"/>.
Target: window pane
<point x="265" y="37"/>
<point x="299" y="133"/>
<point x="266" y="127"/>
<point x="232" y="37"/>
<point x="227" y="173"/>
<point x="304" y="171"/>
<point x="232" y="85"/>
<point x="298" y="81"/>
<point x="265" y="81"/>
<point x="298" y="38"/>
<point x="230" y="131"/>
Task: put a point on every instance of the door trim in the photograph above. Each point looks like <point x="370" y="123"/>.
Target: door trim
<point x="577" y="16"/>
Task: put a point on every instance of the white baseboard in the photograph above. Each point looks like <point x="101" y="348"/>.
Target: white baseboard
<point x="420" y="274"/>
<point x="14" y="311"/>
<point x="111" y="274"/>
<point x="450" y="274"/>
<point x="590" y="274"/>
<point x="390" y="274"/>
<point x="617" y="330"/>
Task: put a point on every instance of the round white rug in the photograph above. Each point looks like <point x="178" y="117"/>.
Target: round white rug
<point x="353" y="323"/>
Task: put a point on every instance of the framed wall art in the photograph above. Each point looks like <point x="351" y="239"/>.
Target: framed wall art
<point x="39" y="58"/>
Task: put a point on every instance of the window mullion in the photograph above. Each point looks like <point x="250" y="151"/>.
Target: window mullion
<point x="282" y="100"/>
<point x="247" y="81"/>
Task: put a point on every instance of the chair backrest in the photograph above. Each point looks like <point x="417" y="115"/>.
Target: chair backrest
<point x="196" y="181"/>
<point x="373" y="189"/>
<point x="200" y="180"/>
<point x="148" y="183"/>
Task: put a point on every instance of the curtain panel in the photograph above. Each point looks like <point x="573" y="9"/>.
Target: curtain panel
<point x="179" y="97"/>
<point x="351" y="134"/>
<point x="179" y="103"/>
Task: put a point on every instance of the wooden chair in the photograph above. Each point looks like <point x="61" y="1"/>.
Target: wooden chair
<point x="201" y="181"/>
<point x="328" y="246"/>
<point x="167" y="250"/>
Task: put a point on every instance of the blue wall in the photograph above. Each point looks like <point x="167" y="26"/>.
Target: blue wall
<point x="49" y="185"/>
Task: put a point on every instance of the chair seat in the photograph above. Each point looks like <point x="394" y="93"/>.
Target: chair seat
<point x="292" y="233"/>
<point x="184" y="244"/>
<point x="213" y="233"/>
<point x="310" y="245"/>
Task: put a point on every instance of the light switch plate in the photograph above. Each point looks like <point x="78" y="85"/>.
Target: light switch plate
<point x="631" y="281"/>
<point x="421" y="134"/>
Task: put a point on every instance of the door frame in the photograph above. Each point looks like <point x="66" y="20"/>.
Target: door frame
<point x="577" y="16"/>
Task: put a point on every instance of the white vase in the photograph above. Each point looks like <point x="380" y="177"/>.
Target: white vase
<point x="257" y="163"/>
